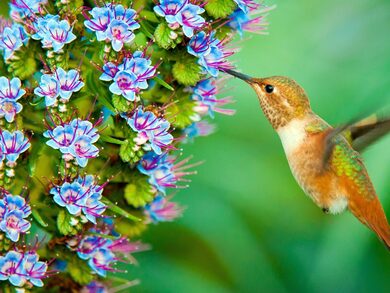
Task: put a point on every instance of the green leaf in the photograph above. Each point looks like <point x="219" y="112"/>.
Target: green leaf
<point x="120" y="103"/>
<point x="186" y="71"/>
<point x="23" y="63"/>
<point x="80" y="271"/>
<point x="179" y="114"/>
<point x="117" y="210"/>
<point x="165" y="37"/>
<point x="110" y="139"/>
<point x="128" y="153"/>
<point x="63" y="224"/>
<point x="220" y="8"/>
<point x="37" y="216"/>
<point x="138" y="193"/>
<point x="100" y="90"/>
<point x="163" y="83"/>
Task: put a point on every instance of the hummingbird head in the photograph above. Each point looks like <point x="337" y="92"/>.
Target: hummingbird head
<point x="281" y="98"/>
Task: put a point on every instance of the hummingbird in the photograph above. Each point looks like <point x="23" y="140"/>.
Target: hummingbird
<point x="324" y="160"/>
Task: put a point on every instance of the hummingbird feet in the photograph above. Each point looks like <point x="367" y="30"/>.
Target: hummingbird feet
<point x="325" y="210"/>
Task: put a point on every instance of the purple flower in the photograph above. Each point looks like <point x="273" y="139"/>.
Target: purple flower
<point x="181" y="12"/>
<point x="162" y="170"/>
<point x="113" y="23"/>
<point x="53" y="32"/>
<point x="10" y="92"/>
<point x="11" y="39"/>
<point x="13" y="144"/>
<point x="81" y="195"/>
<point x="150" y="129"/>
<point x="19" y="268"/>
<point x="129" y="77"/>
<point x="95" y="287"/>
<point x="162" y="210"/>
<point x="13" y="211"/>
<point x="20" y="9"/>
<point x="74" y="140"/>
<point x="205" y="94"/>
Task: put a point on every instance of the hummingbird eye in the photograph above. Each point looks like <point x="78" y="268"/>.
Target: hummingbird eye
<point x="269" y="88"/>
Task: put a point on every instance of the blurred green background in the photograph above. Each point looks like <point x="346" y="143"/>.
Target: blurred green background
<point x="248" y="227"/>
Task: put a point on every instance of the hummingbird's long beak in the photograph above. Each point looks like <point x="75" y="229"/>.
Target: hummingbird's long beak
<point x="239" y="75"/>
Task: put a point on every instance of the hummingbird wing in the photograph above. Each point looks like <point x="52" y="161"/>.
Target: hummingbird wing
<point x="360" y="134"/>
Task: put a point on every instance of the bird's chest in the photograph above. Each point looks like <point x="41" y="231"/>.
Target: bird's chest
<point x="303" y="152"/>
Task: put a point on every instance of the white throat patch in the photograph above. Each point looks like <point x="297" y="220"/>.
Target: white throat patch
<point x="292" y="135"/>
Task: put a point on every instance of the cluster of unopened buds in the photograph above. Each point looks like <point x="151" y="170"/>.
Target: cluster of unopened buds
<point x="96" y="101"/>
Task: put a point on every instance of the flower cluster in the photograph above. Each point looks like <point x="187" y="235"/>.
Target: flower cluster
<point x="181" y="13"/>
<point x="22" y="267"/>
<point x="150" y="129"/>
<point x="210" y="51"/>
<point x="96" y="99"/>
<point x="53" y="32"/>
<point x="207" y="102"/>
<point x="10" y="92"/>
<point x="101" y="252"/>
<point x="75" y="140"/>
<point x="162" y="171"/>
<point x="81" y="195"/>
<point x="59" y="84"/>
<point x="113" y="23"/>
<point x="12" y="37"/>
<point x="129" y="77"/>
<point x="13" y="213"/>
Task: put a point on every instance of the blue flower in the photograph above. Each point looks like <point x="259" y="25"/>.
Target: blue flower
<point x="210" y="52"/>
<point x="34" y="269"/>
<point x="48" y="88"/>
<point x="11" y="268"/>
<point x="247" y="5"/>
<point x="81" y="195"/>
<point x="129" y="77"/>
<point x="183" y="13"/>
<point x="13" y="211"/>
<point x="190" y="20"/>
<point x="10" y="92"/>
<point x="13" y="144"/>
<point x="109" y="71"/>
<point x="201" y="128"/>
<point x="20" y="9"/>
<point x="150" y="129"/>
<point x="69" y="82"/>
<point x="241" y="21"/>
<point x="11" y="39"/>
<point x="100" y="261"/>
<point x="74" y="140"/>
<point x="101" y="18"/>
<point x="205" y="94"/>
<point x="114" y="23"/>
<point x="162" y="210"/>
<point x="125" y="84"/>
<point x="53" y="32"/>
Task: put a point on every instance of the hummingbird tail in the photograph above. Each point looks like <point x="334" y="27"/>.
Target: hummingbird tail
<point x="371" y="214"/>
